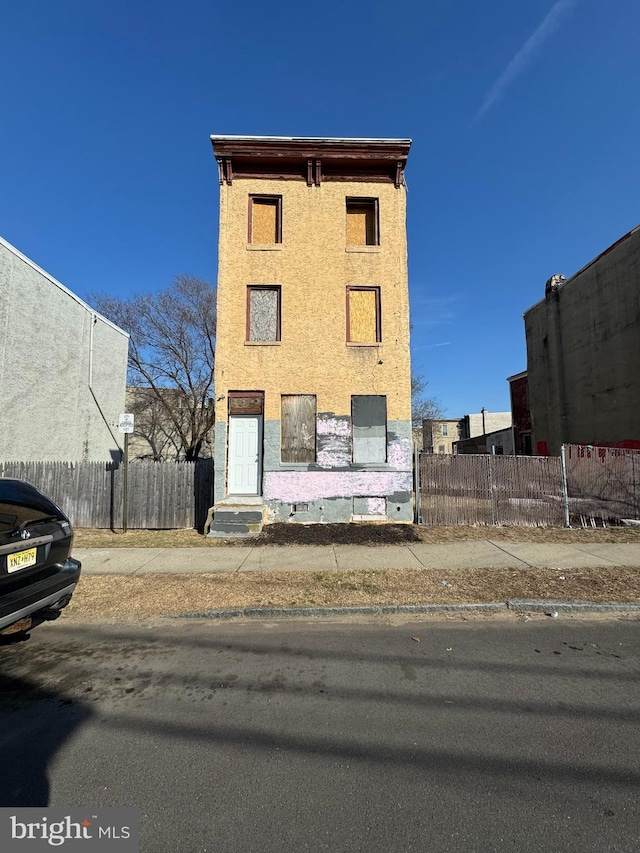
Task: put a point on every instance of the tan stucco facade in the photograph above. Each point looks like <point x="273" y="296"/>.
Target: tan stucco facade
<point x="313" y="267"/>
<point x="434" y="438"/>
<point x="326" y="283"/>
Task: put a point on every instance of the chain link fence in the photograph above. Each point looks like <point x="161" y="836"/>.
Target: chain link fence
<point x="603" y="484"/>
<point x="597" y="486"/>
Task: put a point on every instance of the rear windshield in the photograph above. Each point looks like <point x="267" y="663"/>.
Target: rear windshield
<point x="20" y="502"/>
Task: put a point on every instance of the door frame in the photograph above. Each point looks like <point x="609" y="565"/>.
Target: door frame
<point x="241" y="406"/>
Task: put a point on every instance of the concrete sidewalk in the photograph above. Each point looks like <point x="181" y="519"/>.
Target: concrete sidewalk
<point x="455" y="555"/>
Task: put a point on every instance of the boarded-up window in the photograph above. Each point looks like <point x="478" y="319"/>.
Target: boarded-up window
<point x="362" y="222"/>
<point x="298" y="428"/>
<point x="265" y="219"/>
<point x="363" y="315"/>
<point x="369" y="416"/>
<point x="263" y="313"/>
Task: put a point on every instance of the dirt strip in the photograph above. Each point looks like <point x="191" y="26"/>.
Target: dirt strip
<point x="355" y="534"/>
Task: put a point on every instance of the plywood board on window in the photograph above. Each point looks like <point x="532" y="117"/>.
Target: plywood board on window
<point x="360" y="224"/>
<point x="357" y="226"/>
<point x="363" y="316"/>
<point x="298" y="428"/>
<point x="264" y="220"/>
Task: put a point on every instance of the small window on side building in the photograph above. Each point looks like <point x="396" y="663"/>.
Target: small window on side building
<point x="265" y="219"/>
<point x="263" y="313"/>
<point x="445" y="430"/>
<point x="362" y="222"/>
<point x="298" y="428"/>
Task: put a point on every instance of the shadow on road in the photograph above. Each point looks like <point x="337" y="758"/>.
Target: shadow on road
<point x="34" y="723"/>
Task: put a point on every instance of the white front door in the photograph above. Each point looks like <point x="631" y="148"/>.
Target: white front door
<point x="244" y="454"/>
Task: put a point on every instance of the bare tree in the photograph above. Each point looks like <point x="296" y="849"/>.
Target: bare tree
<point x="171" y="360"/>
<point x="422" y="406"/>
<point x="160" y="441"/>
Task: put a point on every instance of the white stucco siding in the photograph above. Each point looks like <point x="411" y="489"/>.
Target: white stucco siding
<point x="62" y="369"/>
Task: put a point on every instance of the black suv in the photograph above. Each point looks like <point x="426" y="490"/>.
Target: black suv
<point x="37" y="573"/>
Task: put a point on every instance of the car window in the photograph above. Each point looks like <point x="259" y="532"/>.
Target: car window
<point x="20" y="502"/>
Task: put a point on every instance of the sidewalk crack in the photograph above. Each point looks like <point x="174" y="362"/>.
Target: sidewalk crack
<point x="142" y="565"/>
<point x="415" y="556"/>
<point x="249" y="552"/>
<point x="597" y="556"/>
<point x="509" y="554"/>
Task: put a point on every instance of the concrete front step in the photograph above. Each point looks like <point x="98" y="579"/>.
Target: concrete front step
<point x="228" y="521"/>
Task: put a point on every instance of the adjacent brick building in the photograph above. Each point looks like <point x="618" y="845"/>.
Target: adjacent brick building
<point x="313" y="412"/>
<point x="520" y="413"/>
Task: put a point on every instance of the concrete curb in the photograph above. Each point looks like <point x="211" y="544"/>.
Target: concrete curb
<point x="366" y="610"/>
<point x="513" y="604"/>
<point x="544" y="604"/>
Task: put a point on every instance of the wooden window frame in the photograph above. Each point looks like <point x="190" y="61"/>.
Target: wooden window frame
<point x="376" y="290"/>
<point x="247" y="333"/>
<point x="265" y="197"/>
<point x="374" y="203"/>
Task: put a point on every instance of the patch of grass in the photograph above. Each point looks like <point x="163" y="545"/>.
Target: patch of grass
<point x="129" y="598"/>
<point x="350" y="581"/>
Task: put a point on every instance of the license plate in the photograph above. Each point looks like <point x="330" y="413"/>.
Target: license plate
<point x="21" y="560"/>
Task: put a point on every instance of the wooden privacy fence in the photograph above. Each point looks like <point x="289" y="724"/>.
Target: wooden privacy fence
<point x="161" y="495"/>
<point x="597" y="485"/>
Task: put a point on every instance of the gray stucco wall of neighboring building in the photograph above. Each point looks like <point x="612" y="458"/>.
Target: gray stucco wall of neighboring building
<point x="583" y="352"/>
<point x="62" y="369"/>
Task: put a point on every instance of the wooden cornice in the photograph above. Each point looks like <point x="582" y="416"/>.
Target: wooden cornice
<point x="312" y="160"/>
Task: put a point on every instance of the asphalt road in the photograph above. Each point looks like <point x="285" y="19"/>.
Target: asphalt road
<point x="342" y="736"/>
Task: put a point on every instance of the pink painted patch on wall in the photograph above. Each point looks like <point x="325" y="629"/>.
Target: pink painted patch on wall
<point x="377" y="506"/>
<point x="399" y="454"/>
<point x="298" y="486"/>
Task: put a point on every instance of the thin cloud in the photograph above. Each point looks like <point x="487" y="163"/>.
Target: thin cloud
<point x="526" y="53"/>
<point x="429" y="313"/>
<point x="430" y="346"/>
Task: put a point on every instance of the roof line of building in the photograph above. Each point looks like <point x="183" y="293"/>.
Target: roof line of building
<point x="602" y="254"/>
<point x="223" y="137"/>
<point x="61" y="286"/>
<point x="586" y="266"/>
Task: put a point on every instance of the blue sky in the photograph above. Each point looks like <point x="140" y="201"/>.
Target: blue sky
<point x="523" y="116"/>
